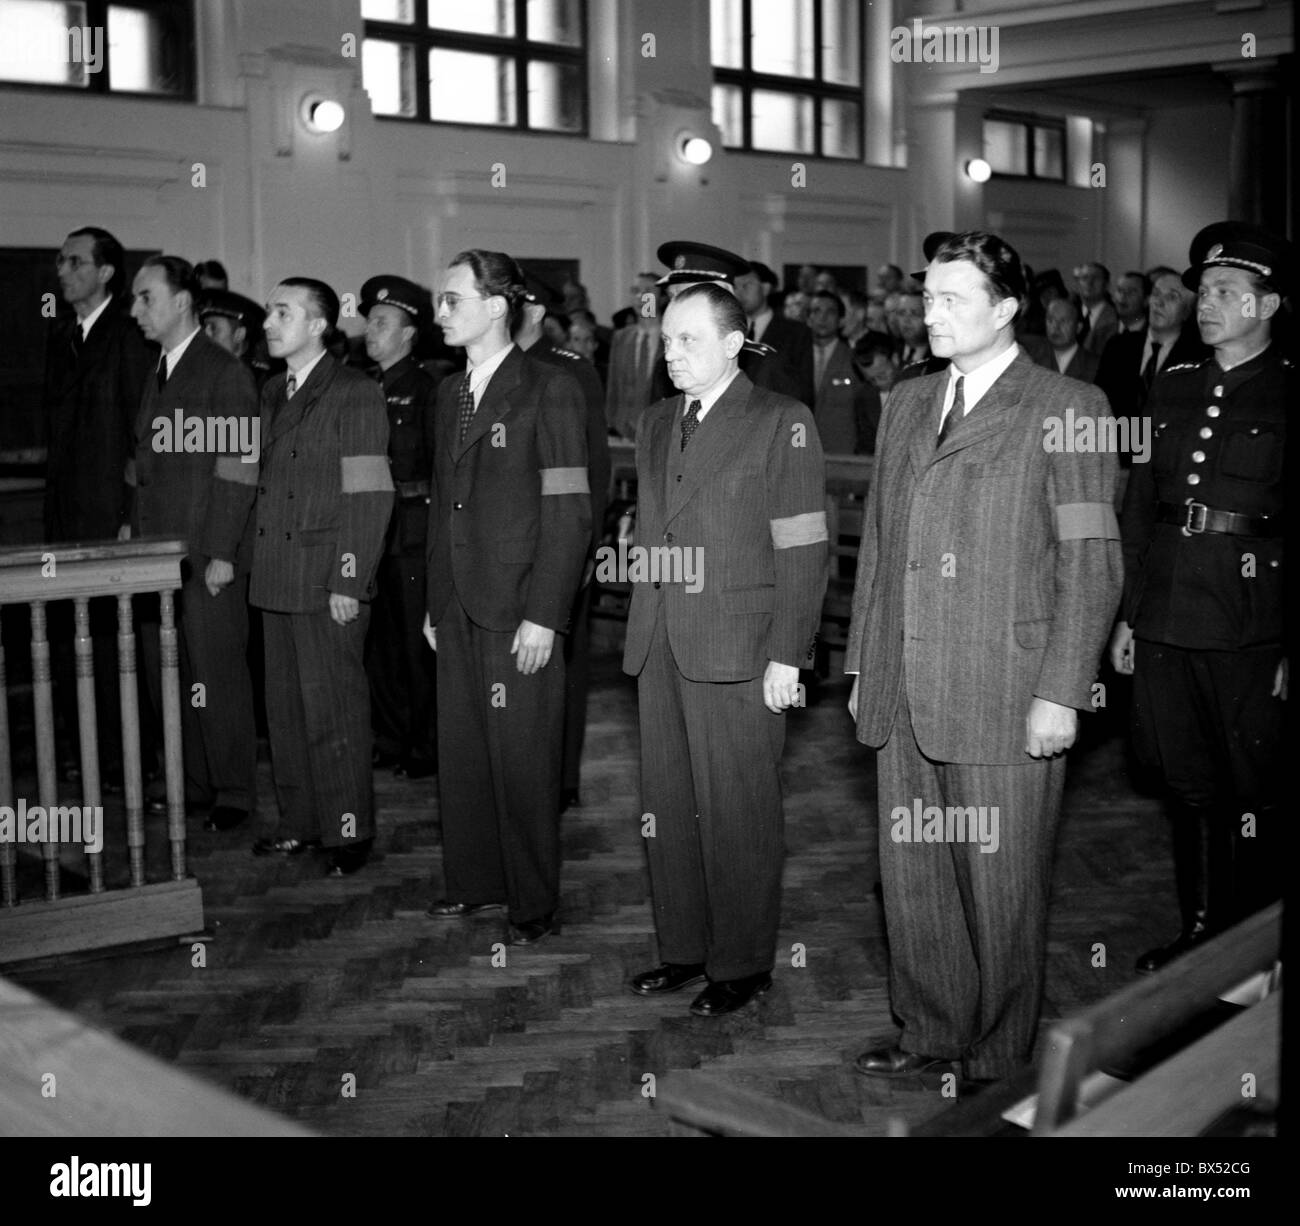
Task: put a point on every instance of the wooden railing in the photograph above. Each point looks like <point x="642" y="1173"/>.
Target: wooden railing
<point x="102" y="916"/>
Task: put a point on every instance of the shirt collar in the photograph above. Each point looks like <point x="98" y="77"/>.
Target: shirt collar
<point x="709" y="399"/>
<point x="480" y="374"/>
<point x="761" y="321"/>
<point x="979" y="380"/>
<point x="301" y="375"/>
<point x="89" y="321"/>
<point x="1065" y="356"/>
<point x="173" y="356"/>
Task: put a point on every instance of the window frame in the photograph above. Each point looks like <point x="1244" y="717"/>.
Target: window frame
<point x="1028" y="123"/>
<point x="520" y="50"/>
<point x="819" y="90"/>
<point x="97" y="84"/>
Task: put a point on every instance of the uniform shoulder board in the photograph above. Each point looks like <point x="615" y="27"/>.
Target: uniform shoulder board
<point x="568" y="353"/>
<point x="1169" y="370"/>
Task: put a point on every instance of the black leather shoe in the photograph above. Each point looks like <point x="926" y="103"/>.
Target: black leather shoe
<point x="894" y="1062"/>
<point x="416" y="768"/>
<point x="668" y="977"/>
<point x="344" y="861"/>
<point x="534" y="931"/>
<point x="728" y="995"/>
<point x="225" y="817"/>
<point x="443" y="909"/>
<point x="284" y="847"/>
<point x="569" y="799"/>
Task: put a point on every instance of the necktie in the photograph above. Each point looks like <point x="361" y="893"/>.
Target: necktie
<point x="78" y="342"/>
<point x="465" y="405"/>
<point x="956" y="413"/>
<point x="290" y="386"/>
<point x="749" y="331"/>
<point x="691" y="422"/>
<point x="1153" y="364"/>
<point x="162" y="372"/>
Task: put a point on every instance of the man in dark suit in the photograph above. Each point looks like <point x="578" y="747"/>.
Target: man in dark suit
<point x="732" y="505"/>
<point x="1133" y="359"/>
<point x="847" y="408"/>
<point x="1092" y="283"/>
<point x="400" y="666"/>
<point x="194" y="475"/>
<point x="637" y="377"/>
<point x="1203" y="628"/>
<point x="509" y="531"/>
<point x="96" y="364"/>
<point x="790" y="369"/>
<point x="987" y="579"/>
<point x="1065" y="326"/>
<point x="322" y="512"/>
<point x="577" y="642"/>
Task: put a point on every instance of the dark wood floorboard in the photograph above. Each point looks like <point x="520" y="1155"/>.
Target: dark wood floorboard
<point x="312" y="985"/>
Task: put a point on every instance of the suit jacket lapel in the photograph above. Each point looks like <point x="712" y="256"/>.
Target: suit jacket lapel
<point x="993" y="411"/>
<point x="708" y="448"/>
<point x="494" y="404"/>
<point x="290" y="413"/>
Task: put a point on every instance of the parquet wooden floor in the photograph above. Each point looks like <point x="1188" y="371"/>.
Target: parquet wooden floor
<point x="314" y="986"/>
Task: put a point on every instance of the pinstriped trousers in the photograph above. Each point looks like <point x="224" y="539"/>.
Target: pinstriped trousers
<point x="710" y="775"/>
<point x="967" y="929"/>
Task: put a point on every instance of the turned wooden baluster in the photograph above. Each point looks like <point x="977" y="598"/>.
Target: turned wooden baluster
<point x="133" y="786"/>
<point x="87" y="718"/>
<point x="172" y="756"/>
<point x="8" y="851"/>
<point x="46" y="766"/>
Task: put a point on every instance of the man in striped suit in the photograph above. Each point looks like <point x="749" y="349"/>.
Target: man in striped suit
<point x="987" y="580"/>
<point x="728" y="586"/>
<point x="509" y="531"/>
<point x="322" y="513"/>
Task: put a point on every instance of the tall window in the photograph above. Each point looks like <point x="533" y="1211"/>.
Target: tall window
<point x="503" y="63"/>
<point x="788" y="75"/>
<point x="1025" y="146"/>
<point x="145" y="47"/>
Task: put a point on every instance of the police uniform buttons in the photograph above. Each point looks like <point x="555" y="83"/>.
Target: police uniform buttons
<point x="1218" y="391"/>
<point x="1273" y="563"/>
<point x="1194" y="479"/>
<point x="399" y="421"/>
<point x="1206" y="432"/>
<point x="1212" y="411"/>
<point x="1198" y="457"/>
<point x="1254" y="429"/>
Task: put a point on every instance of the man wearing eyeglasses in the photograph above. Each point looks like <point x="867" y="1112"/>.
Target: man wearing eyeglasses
<point x="509" y="529"/>
<point x="96" y="364"/>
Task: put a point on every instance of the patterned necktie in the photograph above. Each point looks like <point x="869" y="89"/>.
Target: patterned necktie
<point x="956" y="413"/>
<point x="290" y="386"/>
<point x="691" y="422"/>
<point x="162" y="372"/>
<point x="1152" y="366"/>
<point x="465" y="405"/>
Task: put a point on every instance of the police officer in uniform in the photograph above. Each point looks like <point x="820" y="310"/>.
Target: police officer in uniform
<point x="1202" y="628"/>
<point x="538" y="298"/>
<point x="235" y="323"/>
<point x="400" y="666"/>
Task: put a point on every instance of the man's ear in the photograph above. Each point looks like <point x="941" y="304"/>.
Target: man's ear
<point x="1269" y="304"/>
<point x="105" y="273"/>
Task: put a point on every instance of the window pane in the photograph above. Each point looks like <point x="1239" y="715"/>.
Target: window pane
<point x="1049" y="153"/>
<point x="841" y="129"/>
<point x="555" y="21"/>
<point x="841" y="42"/>
<point x="728" y="114"/>
<point x="726" y="34"/>
<point x="38" y="44"/>
<point x="145" y="51"/>
<point x="1005" y="147"/>
<point x="388" y="74"/>
<point x="469" y="88"/>
<point x="783" y="37"/>
<point x="474" y="16"/>
<point x="389" y="10"/>
<point x="782" y="121"/>
<point x="555" y="96"/>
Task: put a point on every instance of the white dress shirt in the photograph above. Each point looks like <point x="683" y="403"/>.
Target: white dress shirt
<point x="978" y="381"/>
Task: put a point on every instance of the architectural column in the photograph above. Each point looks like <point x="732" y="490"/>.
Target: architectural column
<point x="1258" y="164"/>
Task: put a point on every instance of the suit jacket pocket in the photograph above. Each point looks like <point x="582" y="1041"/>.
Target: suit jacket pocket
<point x="317" y="536"/>
<point x="1033" y="633"/>
<point x="759" y="598"/>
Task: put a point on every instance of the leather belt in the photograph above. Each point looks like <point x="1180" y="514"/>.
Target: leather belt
<point x="1195" y="518"/>
<point x="412" y="489"/>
